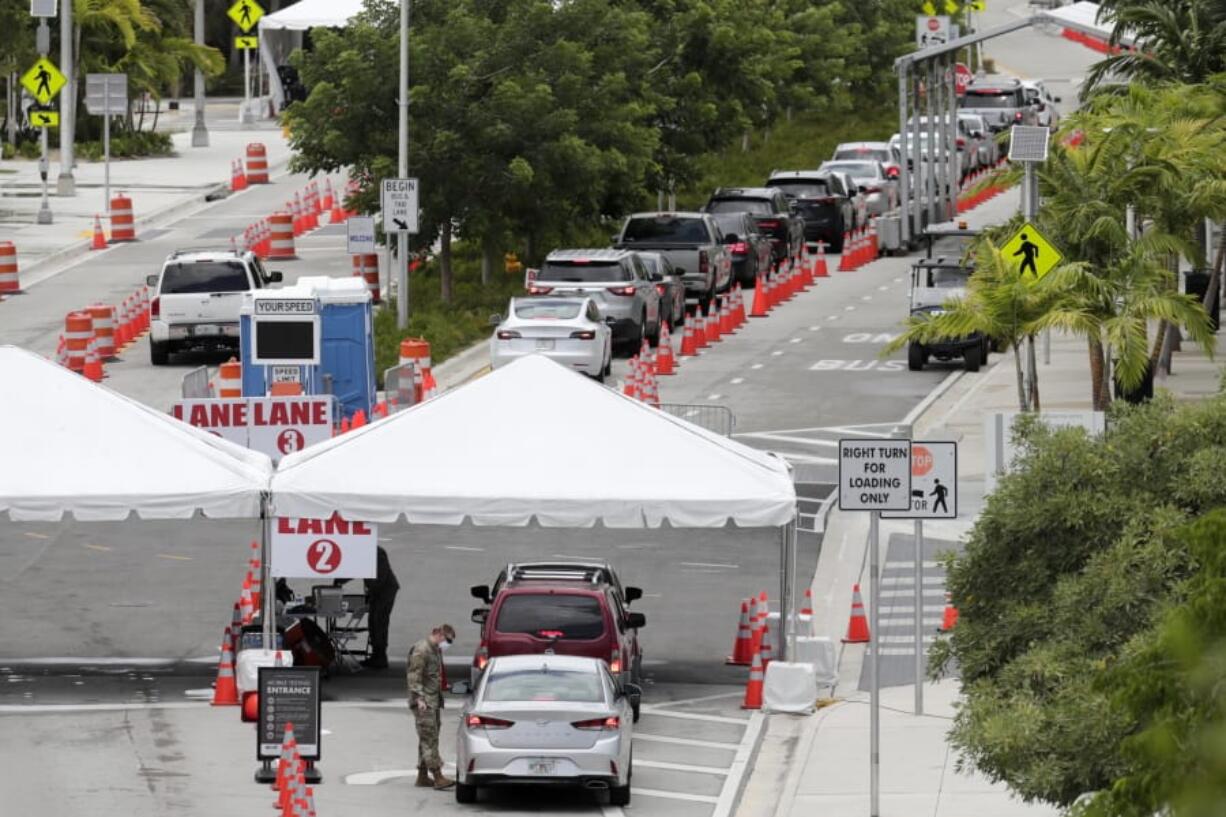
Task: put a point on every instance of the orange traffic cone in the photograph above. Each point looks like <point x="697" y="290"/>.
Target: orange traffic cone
<point x="759" y="308"/>
<point x="846" y="256"/>
<point x="359" y="419"/>
<point x="711" y="326"/>
<point x="950" y="616"/>
<point x="765" y="648"/>
<point x="329" y="198"/>
<point x="289" y="746"/>
<point x="630" y="386"/>
<point x="93" y="366"/>
<point x="753" y="689"/>
<point x="805" y="616"/>
<point x="700" y="332"/>
<point x="337" y="214"/>
<point x="225" y="691"/>
<point x="819" y="266"/>
<point x="99" y="242"/>
<point x="857" y="627"/>
<point x="651" y="387"/>
<point x="738" y="306"/>
<point x="236" y="629"/>
<point x="285" y="796"/>
<point x="689" y="344"/>
<point x="665" y="362"/>
<point x="726" y="323"/>
<point x="743" y="645"/>
<point x="245" y="602"/>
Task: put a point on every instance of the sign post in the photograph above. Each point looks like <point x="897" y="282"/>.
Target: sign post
<point x="288" y="695"/>
<point x="934" y="495"/>
<point x="874" y="476"/>
<point x="106" y="95"/>
<point x="245" y="14"/>
<point x="43" y="80"/>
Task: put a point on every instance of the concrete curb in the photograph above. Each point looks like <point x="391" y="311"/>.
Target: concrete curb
<point x="738" y="777"/>
<point x="796" y="767"/>
<point x="463" y="367"/>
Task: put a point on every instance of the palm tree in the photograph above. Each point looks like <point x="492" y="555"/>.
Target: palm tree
<point x="1181" y="41"/>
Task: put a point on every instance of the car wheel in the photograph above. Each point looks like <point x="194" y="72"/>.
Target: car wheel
<point x="464" y="793"/>
<point x="620" y="795"/>
<point x="916" y="357"/>
<point x="654" y="337"/>
<point x="972" y="358"/>
<point x="159" y="353"/>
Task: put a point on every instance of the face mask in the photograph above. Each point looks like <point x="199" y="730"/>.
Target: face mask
<point x="444" y="646"/>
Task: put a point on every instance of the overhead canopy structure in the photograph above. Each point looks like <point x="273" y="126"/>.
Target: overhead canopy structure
<point x="534" y="440"/>
<point x="73" y="447"/>
<point x="1081" y="23"/>
<point x="281" y="33"/>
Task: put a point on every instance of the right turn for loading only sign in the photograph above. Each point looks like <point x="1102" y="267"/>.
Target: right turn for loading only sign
<point x="874" y="475"/>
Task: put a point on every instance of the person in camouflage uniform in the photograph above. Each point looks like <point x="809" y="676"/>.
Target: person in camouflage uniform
<point x="425" y="679"/>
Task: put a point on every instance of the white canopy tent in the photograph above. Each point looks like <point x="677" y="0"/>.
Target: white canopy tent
<point x="72" y="447"/>
<point x="1082" y="18"/>
<point x="281" y="33"/>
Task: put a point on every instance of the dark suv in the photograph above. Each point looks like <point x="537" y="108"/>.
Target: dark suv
<point x="821" y="197"/>
<point x="568" y="608"/>
<point x="770" y="208"/>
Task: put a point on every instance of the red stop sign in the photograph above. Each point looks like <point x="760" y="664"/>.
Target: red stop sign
<point x="962" y="78"/>
<point x="921" y="460"/>
<point x="933" y="24"/>
<point x="324" y="556"/>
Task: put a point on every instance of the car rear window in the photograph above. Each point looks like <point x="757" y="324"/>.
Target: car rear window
<point x="551" y="615"/>
<point x="757" y="207"/>
<point x="544" y="684"/>
<point x="204" y="276"/>
<point x="876" y="154"/>
<point x="581" y="271"/>
<point x="856" y="168"/>
<point x="803" y="188"/>
<point x="667" y="229"/>
<point x="547" y="310"/>
<point x="988" y="99"/>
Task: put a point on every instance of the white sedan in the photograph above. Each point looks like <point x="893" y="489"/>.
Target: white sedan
<point x="568" y="330"/>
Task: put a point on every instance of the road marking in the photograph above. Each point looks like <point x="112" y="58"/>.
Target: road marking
<point x="815" y="328"/>
<point x="34" y="535"/>
<point x="911" y="580"/>
<point x="832" y="317"/>
<point x="709" y="564"/>
<point x="834" y="365"/>
<point x="795" y="340"/>
<point x="756" y="366"/>
<point x="569" y="556"/>
<point x="777" y="353"/>
<point x="849" y="308"/>
<point x="898" y="280"/>
<point x="681" y="767"/>
<point x="703" y="699"/>
<point x="866" y="297"/>
<point x="928" y="565"/>
<point x="102" y="548"/>
<point x="736" y="381"/>
<point x="176" y="558"/>
<point x="462" y="547"/>
<point x="903" y="639"/>
<point x="673" y="795"/>
<point x="730" y="794"/>
<point x="783" y="438"/>
<point x="702" y="744"/>
<point x="693" y="716"/>
<point x="714" y="396"/>
<point x="883" y="287"/>
<point x="910" y="592"/>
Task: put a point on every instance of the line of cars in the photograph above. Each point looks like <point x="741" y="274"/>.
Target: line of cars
<point x="556" y="681"/>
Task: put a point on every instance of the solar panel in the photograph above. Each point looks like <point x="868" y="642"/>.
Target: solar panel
<point x="1028" y="143"/>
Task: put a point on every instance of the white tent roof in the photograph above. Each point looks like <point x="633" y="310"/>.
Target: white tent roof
<point x="1082" y="17"/>
<point x="71" y="446"/>
<point x="533" y="439"/>
<point x="307" y="14"/>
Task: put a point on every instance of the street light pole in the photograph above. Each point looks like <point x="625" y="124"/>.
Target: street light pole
<point x="402" y="238"/>
<point x="66" y="184"/>
<point x="200" y="133"/>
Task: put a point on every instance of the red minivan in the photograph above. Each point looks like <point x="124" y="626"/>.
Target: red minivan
<point x="568" y="608"/>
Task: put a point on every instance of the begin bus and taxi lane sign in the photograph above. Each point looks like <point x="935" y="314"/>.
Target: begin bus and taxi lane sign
<point x="874" y="475"/>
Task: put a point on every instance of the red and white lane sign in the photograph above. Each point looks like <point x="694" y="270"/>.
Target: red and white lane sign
<point x="323" y="548"/>
<point x="275" y="425"/>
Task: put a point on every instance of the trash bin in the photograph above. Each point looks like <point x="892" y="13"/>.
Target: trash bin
<point x="1196" y="283"/>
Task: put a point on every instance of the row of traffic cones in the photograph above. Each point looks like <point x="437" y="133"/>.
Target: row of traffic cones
<point x="225" y="690"/>
<point x="857" y="626"/>
<point x="294" y="797"/>
<point x="128" y="322"/>
<point x="979" y="187"/>
<point x="860" y="247"/>
<point x="307" y="209"/>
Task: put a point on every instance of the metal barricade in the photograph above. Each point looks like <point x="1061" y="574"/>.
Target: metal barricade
<point x="398" y="387"/>
<point x="196" y="385"/>
<point x="718" y="419"/>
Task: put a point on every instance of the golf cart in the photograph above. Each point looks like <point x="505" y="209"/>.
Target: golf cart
<point x="934" y="280"/>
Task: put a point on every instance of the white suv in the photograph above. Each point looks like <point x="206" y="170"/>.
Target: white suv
<point x="196" y="300"/>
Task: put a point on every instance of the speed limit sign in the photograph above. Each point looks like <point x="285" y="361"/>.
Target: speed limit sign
<point x="323" y="549"/>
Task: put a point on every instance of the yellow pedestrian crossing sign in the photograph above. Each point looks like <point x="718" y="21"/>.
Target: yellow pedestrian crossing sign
<point x="978" y="5"/>
<point x="245" y="14"/>
<point x="44" y="119"/>
<point x="1031" y="253"/>
<point x="244" y="43"/>
<point x="43" y="80"/>
<point x="951" y="7"/>
<point x="929" y="8"/>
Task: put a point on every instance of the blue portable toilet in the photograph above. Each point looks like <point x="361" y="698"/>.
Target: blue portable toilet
<point x="318" y="332"/>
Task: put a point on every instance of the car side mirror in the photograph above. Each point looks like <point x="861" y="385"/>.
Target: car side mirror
<point x="151" y="280"/>
<point x="480" y="614"/>
<point x="731" y="238"/>
<point x="480" y="591"/>
<point x="633" y="594"/>
<point x="495" y="319"/>
<point x="275" y="277"/>
<point x="636" y="620"/>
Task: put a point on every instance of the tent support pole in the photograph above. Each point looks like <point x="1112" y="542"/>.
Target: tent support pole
<point x="787" y="591"/>
<point x="268" y="594"/>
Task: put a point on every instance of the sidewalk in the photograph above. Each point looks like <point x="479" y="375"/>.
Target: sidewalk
<point x="160" y="187"/>
<point x="820" y="764"/>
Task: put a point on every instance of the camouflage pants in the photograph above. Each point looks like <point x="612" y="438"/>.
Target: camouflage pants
<point x="428" y="723"/>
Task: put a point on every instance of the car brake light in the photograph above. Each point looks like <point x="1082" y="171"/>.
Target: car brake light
<point x="485" y="722"/>
<point x="612" y="724"/>
<point x="704" y="263"/>
<point x="739" y="247"/>
<point x="585" y="334"/>
<point x="155" y="307"/>
<point x="660" y="288"/>
<point x="630" y="290"/>
<point x="550" y="633"/>
<point x="615" y="661"/>
<point x="481" y="657"/>
<point x="1017" y="117"/>
<point x="872" y="190"/>
<point x="769" y="225"/>
<point x="507" y="334"/>
<point x="960" y="142"/>
<point x="535" y="290"/>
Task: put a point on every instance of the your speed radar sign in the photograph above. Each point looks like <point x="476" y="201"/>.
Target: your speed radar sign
<point x="323" y="548"/>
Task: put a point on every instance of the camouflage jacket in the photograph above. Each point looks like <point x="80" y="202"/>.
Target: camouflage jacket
<point x="425" y="675"/>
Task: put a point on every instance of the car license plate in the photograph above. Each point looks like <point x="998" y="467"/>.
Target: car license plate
<point x="544" y="344"/>
<point x="542" y="765"/>
<point x="207" y="329"/>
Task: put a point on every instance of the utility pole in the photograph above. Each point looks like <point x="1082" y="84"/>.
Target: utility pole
<point x="402" y="238"/>
<point x="66" y="184"/>
<point x="200" y="133"/>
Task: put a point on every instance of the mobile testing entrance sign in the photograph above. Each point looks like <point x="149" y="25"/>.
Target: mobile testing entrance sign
<point x="288" y="695"/>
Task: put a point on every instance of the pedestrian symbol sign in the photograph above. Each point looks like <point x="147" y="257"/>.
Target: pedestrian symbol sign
<point x="951" y="7"/>
<point x="43" y="80"/>
<point x="934" y="481"/>
<point x="245" y="14"/>
<point x="1031" y="253"/>
<point x="44" y="119"/>
<point x="978" y="5"/>
<point x="244" y="43"/>
<point x="929" y="8"/>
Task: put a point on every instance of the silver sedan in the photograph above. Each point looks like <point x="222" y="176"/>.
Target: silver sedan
<point x="556" y="719"/>
<point x="568" y="330"/>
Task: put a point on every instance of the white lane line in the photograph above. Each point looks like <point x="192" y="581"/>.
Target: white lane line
<point x="462" y="547"/>
<point x="709" y="564"/>
<point x="898" y="280"/>
<point x="714" y="396"/>
<point x="832" y="317"/>
<point x="903" y="639"/>
<point x="902" y="563"/>
<point x="694" y="716"/>
<point x="102" y="548"/>
<point x="62" y="709"/>
<point x="702" y="744"/>
<point x="730" y="794"/>
<point x="776" y="353"/>
<point x="795" y="340"/>
<point x="384" y="775"/>
<point x="736" y="381"/>
<point x="910" y="592"/>
<point x="175" y="558"/>
<point x="896" y="580"/>
<point x="612" y="811"/>
<point x="784" y="438"/>
<point x="866" y="297"/>
<point x="703" y="699"/>
<point x="756" y="366"/>
<point x="34" y="535"/>
<point x="674" y="795"/>
<point x="681" y="767"/>
<point x="849" y="308"/>
<point x="815" y="328"/>
<point x="882" y="288"/>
